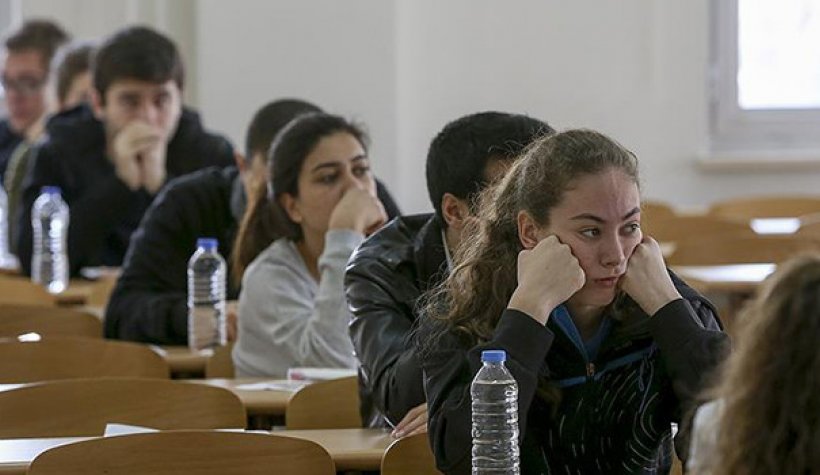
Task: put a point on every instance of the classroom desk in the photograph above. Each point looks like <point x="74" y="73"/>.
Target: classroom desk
<point x="350" y="449"/>
<point x="256" y="402"/>
<point x="183" y="360"/>
<point x="726" y="279"/>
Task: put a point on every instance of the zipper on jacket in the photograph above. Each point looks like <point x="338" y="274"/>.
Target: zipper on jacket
<point x="590" y="370"/>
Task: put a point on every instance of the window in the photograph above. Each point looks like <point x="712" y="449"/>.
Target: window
<point x="765" y="77"/>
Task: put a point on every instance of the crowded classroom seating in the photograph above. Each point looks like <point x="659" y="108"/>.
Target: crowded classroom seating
<point x="375" y="222"/>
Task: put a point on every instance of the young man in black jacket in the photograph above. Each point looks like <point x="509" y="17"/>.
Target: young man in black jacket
<point x="394" y="267"/>
<point x="112" y="159"/>
<point x="149" y="302"/>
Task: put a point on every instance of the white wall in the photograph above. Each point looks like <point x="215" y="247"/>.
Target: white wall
<point x="636" y="69"/>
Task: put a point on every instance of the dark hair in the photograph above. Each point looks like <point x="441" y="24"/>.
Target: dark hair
<point x="70" y="61"/>
<point x="770" y="383"/>
<point x="459" y="154"/>
<point x="265" y="220"/>
<point x="136" y="52"/>
<point x="43" y="36"/>
<point x="269" y="120"/>
<point x="481" y="284"/>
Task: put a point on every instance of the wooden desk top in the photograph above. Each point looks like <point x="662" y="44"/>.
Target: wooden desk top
<point x="735" y="278"/>
<point x="182" y="359"/>
<point x="351" y="449"/>
<point x="257" y="402"/>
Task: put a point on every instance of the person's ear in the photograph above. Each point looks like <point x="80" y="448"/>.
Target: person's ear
<point x="528" y="230"/>
<point x="291" y="207"/>
<point x="455" y="211"/>
<point x="97" y="104"/>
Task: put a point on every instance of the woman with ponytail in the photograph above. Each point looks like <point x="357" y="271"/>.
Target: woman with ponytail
<point x="317" y="205"/>
<point x="608" y="347"/>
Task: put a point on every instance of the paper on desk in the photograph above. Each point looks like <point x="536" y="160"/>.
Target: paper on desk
<point x="280" y="385"/>
<point x="125" y="429"/>
<point x="320" y="374"/>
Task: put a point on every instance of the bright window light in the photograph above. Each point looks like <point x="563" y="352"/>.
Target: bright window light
<point x="778" y="54"/>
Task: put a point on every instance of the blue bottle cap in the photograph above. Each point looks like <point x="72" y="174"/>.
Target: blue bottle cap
<point x="50" y="190"/>
<point x="493" y="356"/>
<point x="209" y="244"/>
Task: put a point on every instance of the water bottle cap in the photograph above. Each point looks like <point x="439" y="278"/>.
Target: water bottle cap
<point x="493" y="356"/>
<point x="209" y="244"/>
<point x="50" y="190"/>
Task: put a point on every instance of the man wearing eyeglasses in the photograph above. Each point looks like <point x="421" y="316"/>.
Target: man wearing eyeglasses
<point x="25" y="69"/>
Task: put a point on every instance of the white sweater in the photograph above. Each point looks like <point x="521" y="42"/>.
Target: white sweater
<point x="286" y="318"/>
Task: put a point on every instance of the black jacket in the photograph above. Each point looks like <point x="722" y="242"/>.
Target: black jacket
<point x="149" y="302"/>
<point x="103" y="211"/>
<point x="9" y="140"/>
<point x="613" y="416"/>
<point x="384" y="280"/>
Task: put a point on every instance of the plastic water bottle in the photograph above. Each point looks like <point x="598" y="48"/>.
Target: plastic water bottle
<point x="49" y="261"/>
<point x="206" y="296"/>
<point x="7" y="260"/>
<point x="495" y="417"/>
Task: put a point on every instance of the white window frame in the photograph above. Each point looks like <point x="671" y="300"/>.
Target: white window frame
<point x="764" y="134"/>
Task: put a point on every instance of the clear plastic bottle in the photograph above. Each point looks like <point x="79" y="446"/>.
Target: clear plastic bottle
<point x="49" y="259"/>
<point x="206" y="296"/>
<point x="7" y="260"/>
<point x="495" y="417"/>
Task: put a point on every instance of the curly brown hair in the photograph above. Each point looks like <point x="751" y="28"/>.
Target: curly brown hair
<point x="771" y="383"/>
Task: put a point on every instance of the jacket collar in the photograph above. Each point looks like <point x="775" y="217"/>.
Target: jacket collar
<point x="429" y="255"/>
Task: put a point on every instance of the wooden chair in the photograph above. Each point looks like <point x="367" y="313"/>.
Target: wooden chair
<point x="678" y="228"/>
<point x="652" y="210"/>
<point x="47" y="321"/>
<point x="69" y="358"/>
<point x="330" y="404"/>
<point x="220" y="364"/>
<point x="189" y="452"/>
<point x="733" y="250"/>
<point x="409" y="456"/>
<point x="82" y="407"/>
<point x="745" y="209"/>
<point x="17" y="290"/>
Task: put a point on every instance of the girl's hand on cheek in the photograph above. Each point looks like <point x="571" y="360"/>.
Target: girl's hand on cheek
<point x="646" y="279"/>
<point x="548" y="275"/>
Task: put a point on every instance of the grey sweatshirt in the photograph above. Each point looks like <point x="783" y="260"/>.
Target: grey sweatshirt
<point x="286" y="318"/>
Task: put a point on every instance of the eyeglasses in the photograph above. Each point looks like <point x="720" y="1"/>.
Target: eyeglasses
<point x="25" y="85"/>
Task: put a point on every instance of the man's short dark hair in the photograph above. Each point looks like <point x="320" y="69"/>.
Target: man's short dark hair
<point x="71" y="61"/>
<point x="459" y="154"/>
<point x="136" y="52"/>
<point x="42" y="36"/>
<point x="269" y="120"/>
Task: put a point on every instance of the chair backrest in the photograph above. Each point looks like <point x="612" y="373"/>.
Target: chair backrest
<point x="69" y="358"/>
<point x="47" y="321"/>
<point x="82" y="407"/>
<point x="220" y="364"/>
<point x="652" y="210"/>
<point x="332" y="404"/>
<point x="731" y="250"/>
<point x="678" y="228"/>
<point x="17" y="290"/>
<point x="101" y="291"/>
<point x="751" y="207"/>
<point x="189" y="452"/>
<point x="409" y="456"/>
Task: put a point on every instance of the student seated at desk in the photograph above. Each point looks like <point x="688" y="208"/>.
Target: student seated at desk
<point x="318" y="204"/>
<point x="112" y="159"/>
<point x="766" y="414"/>
<point x="608" y="348"/>
<point x="149" y="302"/>
<point x="394" y="267"/>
